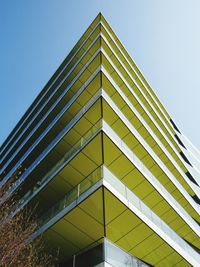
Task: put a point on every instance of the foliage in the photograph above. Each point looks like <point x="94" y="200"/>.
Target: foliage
<point x="16" y="229"/>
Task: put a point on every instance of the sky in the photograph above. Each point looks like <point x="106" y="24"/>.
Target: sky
<point x="162" y="36"/>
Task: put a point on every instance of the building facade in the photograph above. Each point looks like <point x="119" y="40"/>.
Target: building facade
<point x="116" y="182"/>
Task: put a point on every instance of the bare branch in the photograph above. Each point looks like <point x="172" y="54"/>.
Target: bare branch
<point x="15" y="232"/>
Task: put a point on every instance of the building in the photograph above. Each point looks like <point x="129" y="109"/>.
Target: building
<point x="116" y="181"/>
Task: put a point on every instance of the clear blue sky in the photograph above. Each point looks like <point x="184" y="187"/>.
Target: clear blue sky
<point x="162" y="36"/>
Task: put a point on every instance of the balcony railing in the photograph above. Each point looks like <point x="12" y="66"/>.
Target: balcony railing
<point x="157" y="224"/>
<point x="72" y="195"/>
<point x="61" y="163"/>
<point x="53" y="143"/>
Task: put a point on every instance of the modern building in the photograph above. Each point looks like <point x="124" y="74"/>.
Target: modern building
<point x="116" y="181"/>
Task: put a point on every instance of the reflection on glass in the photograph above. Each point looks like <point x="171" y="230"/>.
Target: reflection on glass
<point x="119" y="258"/>
<point x="105" y="251"/>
